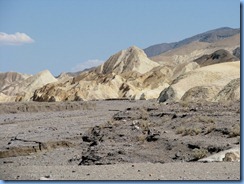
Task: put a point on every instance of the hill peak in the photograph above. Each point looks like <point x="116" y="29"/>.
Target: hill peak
<point x="130" y="59"/>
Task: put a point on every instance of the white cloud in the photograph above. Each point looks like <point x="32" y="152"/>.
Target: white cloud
<point x="87" y="64"/>
<point x="14" y="39"/>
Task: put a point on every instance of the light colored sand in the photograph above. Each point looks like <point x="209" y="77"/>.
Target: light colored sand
<point x="218" y="157"/>
<point x="138" y="171"/>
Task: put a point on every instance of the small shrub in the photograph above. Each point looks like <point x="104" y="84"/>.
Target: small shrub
<point x="206" y="119"/>
<point x="144" y="124"/>
<point x="192" y="131"/>
<point x="144" y="114"/>
<point x="180" y="130"/>
<point x="89" y="106"/>
<point x="235" y="131"/>
<point x="210" y="129"/>
<point x="141" y="137"/>
<point x="199" y="153"/>
<point x="184" y="103"/>
<point x="197" y="130"/>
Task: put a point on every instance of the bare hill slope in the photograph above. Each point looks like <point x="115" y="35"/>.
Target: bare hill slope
<point x="208" y="37"/>
<point x="8" y="78"/>
<point x="202" y="84"/>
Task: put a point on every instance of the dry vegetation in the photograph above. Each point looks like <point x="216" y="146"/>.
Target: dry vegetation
<point x="200" y="153"/>
<point x="234" y="131"/>
<point x="188" y="131"/>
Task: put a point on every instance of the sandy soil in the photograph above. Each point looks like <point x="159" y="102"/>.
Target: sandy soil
<point x="137" y="171"/>
<point x="117" y="140"/>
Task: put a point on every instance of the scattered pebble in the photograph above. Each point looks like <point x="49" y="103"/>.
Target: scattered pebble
<point x="48" y="177"/>
<point x="8" y="162"/>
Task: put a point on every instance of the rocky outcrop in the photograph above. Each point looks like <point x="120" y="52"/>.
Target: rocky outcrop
<point x="166" y="95"/>
<point x="99" y="86"/>
<point x="201" y="93"/>
<point x="230" y="92"/>
<point x="237" y="53"/>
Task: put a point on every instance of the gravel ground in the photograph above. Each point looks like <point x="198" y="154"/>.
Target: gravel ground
<point x="47" y="141"/>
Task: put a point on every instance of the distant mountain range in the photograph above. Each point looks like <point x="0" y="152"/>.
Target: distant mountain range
<point x="209" y="37"/>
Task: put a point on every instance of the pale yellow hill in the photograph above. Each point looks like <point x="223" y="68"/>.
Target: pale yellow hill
<point x="127" y="74"/>
<point x="132" y="59"/>
<point x="6" y="98"/>
<point x="205" y="82"/>
<point x="9" y="78"/>
<point x="24" y="90"/>
<point x="95" y="85"/>
<point x="230" y="92"/>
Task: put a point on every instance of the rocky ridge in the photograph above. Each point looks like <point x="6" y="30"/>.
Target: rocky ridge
<point x="208" y="37"/>
<point x="127" y="74"/>
<point x="23" y="90"/>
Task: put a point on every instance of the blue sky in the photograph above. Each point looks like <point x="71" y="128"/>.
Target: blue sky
<point x="68" y="35"/>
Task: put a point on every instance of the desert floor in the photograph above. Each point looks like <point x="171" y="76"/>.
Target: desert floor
<point x="117" y="140"/>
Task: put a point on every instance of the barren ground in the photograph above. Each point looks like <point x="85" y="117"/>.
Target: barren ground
<point x="117" y="140"/>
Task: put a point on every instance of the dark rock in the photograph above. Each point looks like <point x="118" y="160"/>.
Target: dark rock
<point x="152" y="136"/>
<point x="94" y="143"/>
<point x="121" y="152"/>
<point x="166" y="94"/>
<point x="86" y="138"/>
<point x="224" y="131"/>
<point x="89" y="159"/>
<point x="237" y="53"/>
<point x="193" y="146"/>
<point x="214" y="149"/>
